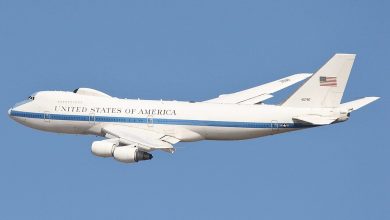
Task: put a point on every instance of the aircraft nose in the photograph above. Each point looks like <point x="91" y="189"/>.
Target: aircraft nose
<point x="9" y="111"/>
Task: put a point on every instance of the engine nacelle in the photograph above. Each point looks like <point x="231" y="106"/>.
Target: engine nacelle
<point x="130" y="154"/>
<point x="103" y="148"/>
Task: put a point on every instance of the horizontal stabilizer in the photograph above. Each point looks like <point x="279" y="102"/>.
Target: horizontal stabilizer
<point x="315" y="119"/>
<point x="356" y="104"/>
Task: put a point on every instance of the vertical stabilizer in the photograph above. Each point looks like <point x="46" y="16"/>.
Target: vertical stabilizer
<point x="326" y="87"/>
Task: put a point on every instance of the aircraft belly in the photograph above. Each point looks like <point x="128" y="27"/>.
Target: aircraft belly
<point x="228" y="133"/>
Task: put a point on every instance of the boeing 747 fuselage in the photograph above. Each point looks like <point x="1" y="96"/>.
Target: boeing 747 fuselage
<point x="134" y="128"/>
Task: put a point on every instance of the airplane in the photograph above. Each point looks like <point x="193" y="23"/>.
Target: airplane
<point x="133" y="128"/>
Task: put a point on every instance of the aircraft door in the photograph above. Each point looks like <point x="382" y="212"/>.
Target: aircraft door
<point x="92" y="118"/>
<point x="46" y="116"/>
<point x="149" y="121"/>
<point x="274" y="126"/>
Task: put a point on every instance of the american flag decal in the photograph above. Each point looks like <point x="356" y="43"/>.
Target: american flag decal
<point x="328" y="81"/>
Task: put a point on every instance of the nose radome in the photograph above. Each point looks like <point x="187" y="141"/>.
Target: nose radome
<point x="9" y="111"/>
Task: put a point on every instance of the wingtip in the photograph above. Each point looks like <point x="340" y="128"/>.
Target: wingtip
<point x="374" y="98"/>
<point x="346" y="55"/>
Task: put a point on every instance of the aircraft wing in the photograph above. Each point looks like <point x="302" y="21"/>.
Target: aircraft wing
<point x="144" y="139"/>
<point x="260" y="93"/>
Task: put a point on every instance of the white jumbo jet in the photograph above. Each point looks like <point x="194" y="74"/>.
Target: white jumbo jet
<point x="134" y="128"/>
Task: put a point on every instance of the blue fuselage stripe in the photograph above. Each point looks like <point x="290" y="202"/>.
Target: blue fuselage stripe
<point x="115" y="119"/>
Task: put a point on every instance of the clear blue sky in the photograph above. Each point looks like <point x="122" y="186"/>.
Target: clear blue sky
<point x="195" y="50"/>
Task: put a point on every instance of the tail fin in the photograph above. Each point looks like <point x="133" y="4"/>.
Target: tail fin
<point x="326" y="87"/>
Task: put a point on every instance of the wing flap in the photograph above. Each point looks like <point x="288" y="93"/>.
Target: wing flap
<point x="145" y="139"/>
<point x="257" y="99"/>
<point x="260" y="93"/>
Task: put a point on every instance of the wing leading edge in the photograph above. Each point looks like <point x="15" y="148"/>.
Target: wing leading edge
<point x="259" y="93"/>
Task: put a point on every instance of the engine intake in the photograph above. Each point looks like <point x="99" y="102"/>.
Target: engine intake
<point x="103" y="148"/>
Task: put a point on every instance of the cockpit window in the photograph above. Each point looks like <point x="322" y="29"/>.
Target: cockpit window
<point x="30" y="99"/>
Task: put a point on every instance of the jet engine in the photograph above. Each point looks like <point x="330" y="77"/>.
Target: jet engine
<point x="130" y="154"/>
<point x="124" y="154"/>
<point x="103" y="148"/>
